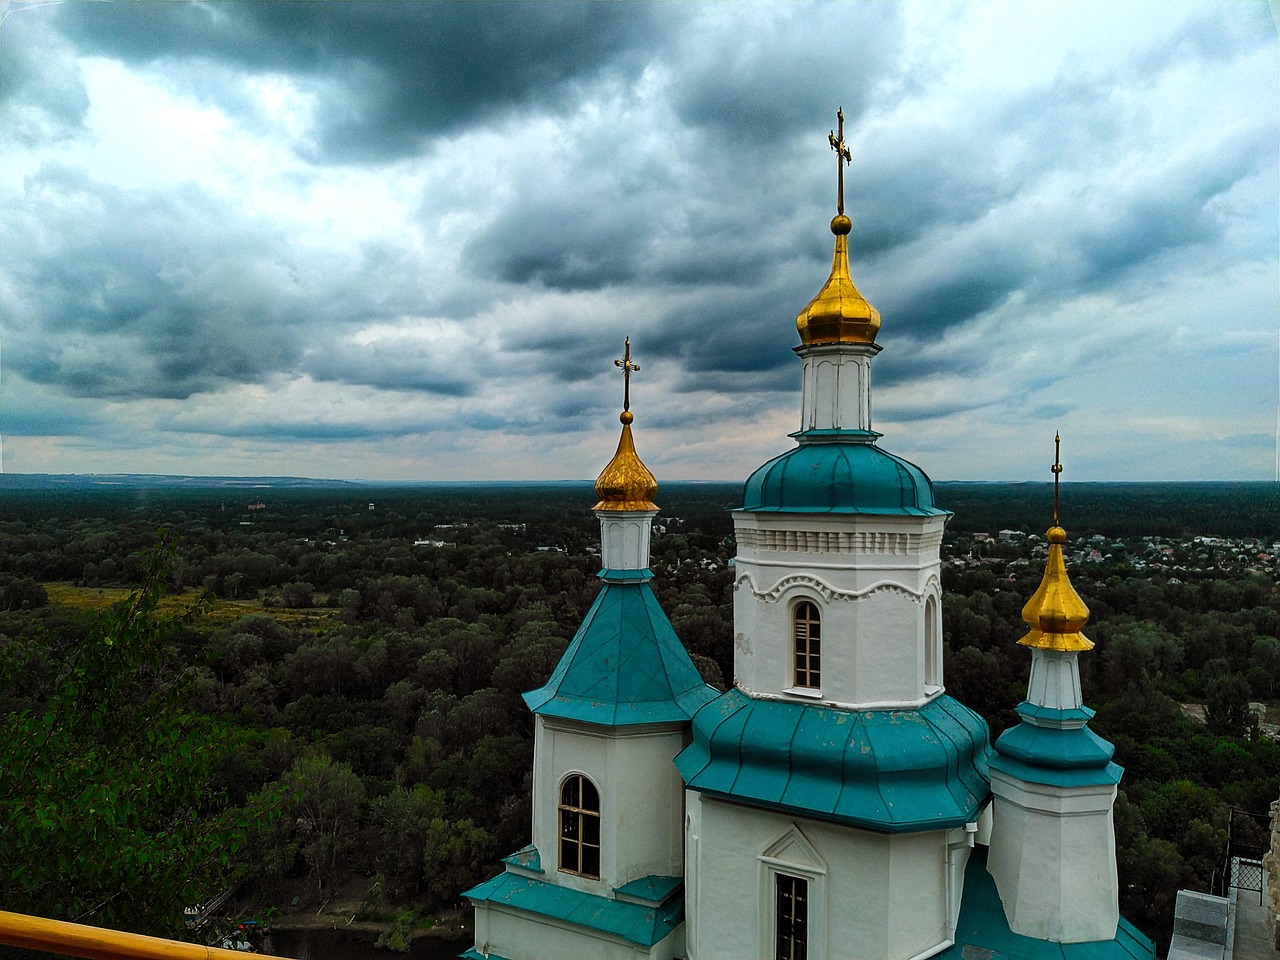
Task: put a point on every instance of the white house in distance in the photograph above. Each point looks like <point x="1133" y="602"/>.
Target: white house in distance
<point x="835" y="803"/>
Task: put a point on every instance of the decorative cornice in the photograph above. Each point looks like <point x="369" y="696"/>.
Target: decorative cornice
<point x="827" y="591"/>
<point x="838" y="541"/>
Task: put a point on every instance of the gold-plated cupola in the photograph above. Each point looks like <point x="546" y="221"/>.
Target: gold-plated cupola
<point x="839" y="313"/>
<point x="626" y="483"/>
<point x="1055" y="613"/>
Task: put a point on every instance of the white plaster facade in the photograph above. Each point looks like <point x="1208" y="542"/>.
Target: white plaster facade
<point x="1053" y="859"/>
<point x="894" y="895"/>
<point x="836" y="392"/>
<point x="876" y="581"/>
<point x="624" y="538"/>
<point x="517" y="934"/>
<point x="640" y="798"/>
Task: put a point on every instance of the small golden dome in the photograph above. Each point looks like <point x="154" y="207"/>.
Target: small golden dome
<point x="839" y="313"/>
<point x="1055" y="613"/>
<point x="626" y="483"/>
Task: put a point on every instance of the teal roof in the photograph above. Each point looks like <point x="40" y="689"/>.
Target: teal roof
<point x="471" y="953"/>
<point x="526" y="858"/>
<point x="845" y="473"/>
<point x="983" y="931"/>
<point x="625" y="665"/>
<point x="633" y="922"/>
<point x="1057" y="748"/>
<point x="654" y="888"/>
<point x="889" y="770"/>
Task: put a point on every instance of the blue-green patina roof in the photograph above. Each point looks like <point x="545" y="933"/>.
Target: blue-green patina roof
<point x="840" y="475"/>
<point x="983" y="932"/>
<point x="654" y="888"/>
<point x="889" y="770"/>
<point x="633" y="922"/>
<point x="1044" y="749"/>
<point x="625" y="665"/>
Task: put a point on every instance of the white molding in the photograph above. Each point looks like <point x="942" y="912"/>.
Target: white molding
<point x="872" y="542"/>
<point x="827" y="591"/>
<point x="787" y="697"/>
<point x="813" y="870"/>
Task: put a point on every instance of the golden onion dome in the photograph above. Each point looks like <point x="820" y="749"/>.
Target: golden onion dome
<point x="1055" y="613"/>
<point x="839" y="313"/>
<point x="626" y="483"/>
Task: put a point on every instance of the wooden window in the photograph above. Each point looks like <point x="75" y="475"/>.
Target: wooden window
<point x="807" y="630"/>
<point x="580" y="827"/>
<point x="792" y="918"/>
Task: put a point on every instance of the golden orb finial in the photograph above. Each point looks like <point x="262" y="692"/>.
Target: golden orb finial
<point x="1055" y="613"/>
<point x="839" y="313"/>
<point x="626" y="483"/>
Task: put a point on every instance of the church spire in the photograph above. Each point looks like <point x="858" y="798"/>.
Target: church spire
<point x="839" y="313"/>
<point x="626" y="483"/>
<point x="1053" y="779"/>
<point x="1055" y="613"/>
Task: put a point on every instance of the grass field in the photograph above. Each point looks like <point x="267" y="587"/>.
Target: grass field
<point x="220" y="612"/>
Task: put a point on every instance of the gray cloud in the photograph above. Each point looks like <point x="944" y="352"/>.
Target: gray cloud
<point x="390" y="74"/>
<point x="578" y="172"/>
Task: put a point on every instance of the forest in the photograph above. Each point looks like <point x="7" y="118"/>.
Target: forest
<point x="305" y="693"/>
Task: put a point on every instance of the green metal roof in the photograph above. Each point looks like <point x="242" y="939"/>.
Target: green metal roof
<point x="471" y="953"/>
<point x="624" y="666"/>
<point x="983" y="932"/>
<point x="526" y="858"/>
<point x="654" y="888"/>
<point x="888" y="770"/>
<point x="844" y="474"/>
<point x="633" y="922"/>
<point x="1053" y="747"/>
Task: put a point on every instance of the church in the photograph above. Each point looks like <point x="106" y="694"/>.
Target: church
<point x="835" y="802"/>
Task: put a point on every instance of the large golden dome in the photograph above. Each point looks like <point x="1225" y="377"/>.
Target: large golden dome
<point x="839" y="313"/>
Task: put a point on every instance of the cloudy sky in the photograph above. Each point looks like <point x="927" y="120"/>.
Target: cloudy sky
<point x="406" y="241"/>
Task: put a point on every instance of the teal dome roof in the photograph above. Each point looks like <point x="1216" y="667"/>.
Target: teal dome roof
<point x="888" y="770"/>
<point x="624" y="666"/>
<point x="840" y="477"/>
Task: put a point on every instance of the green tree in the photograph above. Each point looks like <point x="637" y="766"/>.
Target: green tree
<point x="111" y="815"/>
<point x="328" y="798"/>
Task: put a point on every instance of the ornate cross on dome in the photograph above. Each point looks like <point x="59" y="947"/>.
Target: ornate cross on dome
<point x="1057" y="472"/>
<point x="627" y="366"/>
<point x="836" y="138"/>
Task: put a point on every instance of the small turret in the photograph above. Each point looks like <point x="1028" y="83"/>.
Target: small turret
<point x="1053" y="851"/>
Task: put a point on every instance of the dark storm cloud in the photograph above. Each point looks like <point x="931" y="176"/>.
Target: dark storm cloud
<point x="753" y="87"/>
<point x="169" y="293"/>
<point x="394" y="365"/>
<point x="389" y="75"/>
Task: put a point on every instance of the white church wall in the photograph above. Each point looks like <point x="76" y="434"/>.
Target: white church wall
<point x="871" y="581"/>
<point x="523" y="936"/>
<point x="649" y="803"/>
<point x="1053" y="859"/>
<point x="624" y="536"/>
<point x="887" y="893"/>
<point x="640" y="799"/>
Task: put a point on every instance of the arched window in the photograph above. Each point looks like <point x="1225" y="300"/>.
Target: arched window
<point x="932" y="651"/>
<point x="580" y="827"/>
<point x="807" y="636"/>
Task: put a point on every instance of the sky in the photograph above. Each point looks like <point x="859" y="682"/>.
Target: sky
<point x="406" y="241"/>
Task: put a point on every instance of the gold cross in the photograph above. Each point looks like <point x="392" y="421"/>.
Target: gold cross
<point x="842" y="157"/>
<point x="1057" y="472"/>
<point x="627" y="366"/>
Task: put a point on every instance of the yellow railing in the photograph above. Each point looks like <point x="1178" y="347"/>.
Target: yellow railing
<point x="78" y="940"/>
